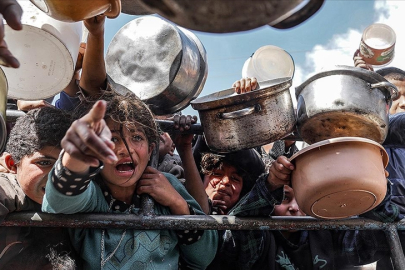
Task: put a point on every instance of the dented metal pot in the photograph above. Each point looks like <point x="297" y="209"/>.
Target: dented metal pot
<point x="344" y="102"/>
<point x="233" y="122"/>
<point x="222" y="16"/>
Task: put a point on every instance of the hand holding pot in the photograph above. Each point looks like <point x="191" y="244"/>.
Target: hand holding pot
<point x="95" y="25"/>
<point x="11" y="11"/>
<point x="183" y="141"/>
<point x="359" y="61"/>
<point x="280" y="173"/>
<point x="245" y="85"/>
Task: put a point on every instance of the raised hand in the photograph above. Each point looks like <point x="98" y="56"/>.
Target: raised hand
<point x="245" y="85"/>
<point x="280" y="173"/>
<point x="88" y="140"/>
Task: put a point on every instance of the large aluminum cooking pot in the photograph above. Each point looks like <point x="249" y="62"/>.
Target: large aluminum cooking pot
<point x="344" y="102"/>
<point x="221" y="16"/>
<point x="340" y="177"/>
<point x="234" y="122"/>
<point x="164" y="65"/>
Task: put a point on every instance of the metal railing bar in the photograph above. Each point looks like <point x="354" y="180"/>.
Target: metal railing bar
<point x="397" y="254"/>
<point x="201" y="222"/>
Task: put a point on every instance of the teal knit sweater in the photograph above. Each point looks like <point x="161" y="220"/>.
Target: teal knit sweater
<point x="139" y="249"/>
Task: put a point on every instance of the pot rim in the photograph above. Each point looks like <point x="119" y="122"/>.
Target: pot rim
<point x="338" y="140"/>
<point x="228" y="97"/>
<point x="369" y="76"/>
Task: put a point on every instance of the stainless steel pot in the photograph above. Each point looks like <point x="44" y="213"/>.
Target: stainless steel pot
<point x="164" y="65"/>
<point x="221" y="16"/>
<point x="233" y="122"/>
<point x="344" y="102"/>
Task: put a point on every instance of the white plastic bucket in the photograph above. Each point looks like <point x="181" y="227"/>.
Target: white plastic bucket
<point x="47" y="50"/>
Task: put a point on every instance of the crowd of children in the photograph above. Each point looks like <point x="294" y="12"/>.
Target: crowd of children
<point x="92" y="154"/>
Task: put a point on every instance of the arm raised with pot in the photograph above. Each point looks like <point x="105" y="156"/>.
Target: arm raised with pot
<point x="94" y="74"/>
<point x="183" y="142"/>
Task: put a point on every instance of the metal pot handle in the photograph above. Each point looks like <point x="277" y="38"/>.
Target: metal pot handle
<point x="240" y="113"/>
<point x="389" y="86"/>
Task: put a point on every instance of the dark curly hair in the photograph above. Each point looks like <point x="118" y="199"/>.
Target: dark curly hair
<point x="38" y="128"/>
<point x="125" y="109"/>
<point x="392" y="73"/>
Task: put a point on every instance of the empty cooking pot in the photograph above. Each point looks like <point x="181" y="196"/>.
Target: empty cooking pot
<point x="221" y="16"/>
<point x="164" y="65"/>
<point x="344" y="102"/>
<point x="78" y="10"/>
<point x="340" y="177"/>
<point x="234" y="122"/>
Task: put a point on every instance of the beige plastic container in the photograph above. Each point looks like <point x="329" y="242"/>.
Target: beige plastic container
<point x="377" y="46"/>
<point x="340" y="177"/>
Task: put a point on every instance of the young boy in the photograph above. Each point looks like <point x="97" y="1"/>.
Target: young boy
<point x="32" y="149"/>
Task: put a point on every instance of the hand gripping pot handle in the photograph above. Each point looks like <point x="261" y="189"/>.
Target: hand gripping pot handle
<point x="389" y="86"/>
<point x="240" y="113"/>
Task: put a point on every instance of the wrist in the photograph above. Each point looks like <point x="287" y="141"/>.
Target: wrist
<point x="179" y="207"/>
<point x="271" y="185"/>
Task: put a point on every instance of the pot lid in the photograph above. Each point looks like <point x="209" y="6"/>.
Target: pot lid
<point x="229" y="97"/>
<point x="46" y="64"/>
<point x="341" y="140"/>
<point x="368" y="76"/>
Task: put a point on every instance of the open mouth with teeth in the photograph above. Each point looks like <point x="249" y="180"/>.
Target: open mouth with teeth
<point x="125" y="167"/>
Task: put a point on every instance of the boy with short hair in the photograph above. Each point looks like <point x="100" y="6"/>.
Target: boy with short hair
<point x="32" y="149"/>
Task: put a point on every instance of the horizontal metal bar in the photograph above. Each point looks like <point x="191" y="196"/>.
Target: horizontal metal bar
<point x="215" y="222"/>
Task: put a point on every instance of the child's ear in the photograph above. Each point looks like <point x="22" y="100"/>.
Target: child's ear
<point x="10" y="164"/>
<point x="151" y="148"/>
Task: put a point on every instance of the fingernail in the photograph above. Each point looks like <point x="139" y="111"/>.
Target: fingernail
<point x="112" y="158"/>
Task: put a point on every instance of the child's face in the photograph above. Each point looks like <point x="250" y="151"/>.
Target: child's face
<point x="225" y="184"/>
<point x="289" y="206"/>
<point x="126" y="171"/>
<point x="32" y="172"/>
<point x="399" y="104"/>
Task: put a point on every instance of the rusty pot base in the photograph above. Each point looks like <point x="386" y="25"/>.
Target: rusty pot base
<point x="327" y="125"/>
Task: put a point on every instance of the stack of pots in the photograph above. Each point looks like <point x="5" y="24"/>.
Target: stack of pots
<point x="343" y="114"/>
